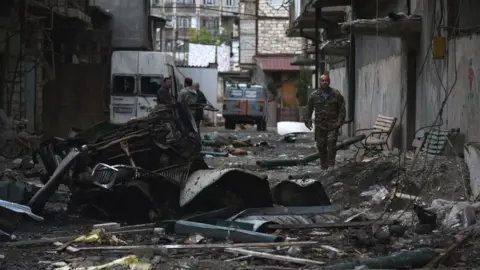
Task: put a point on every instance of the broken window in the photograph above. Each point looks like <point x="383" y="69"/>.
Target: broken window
<point x="123" y="84"/>
<point x="149" y="85"/>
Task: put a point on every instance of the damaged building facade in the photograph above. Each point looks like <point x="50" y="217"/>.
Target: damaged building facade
<point x="30" y="32"/>
<point x="266" y="52"/>
<point x="55" y="59"/>
<point x="400" y="59"/>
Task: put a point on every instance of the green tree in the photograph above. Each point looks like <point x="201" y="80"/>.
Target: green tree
<point x="202" y="36"/>
<point x="303" y="83"/>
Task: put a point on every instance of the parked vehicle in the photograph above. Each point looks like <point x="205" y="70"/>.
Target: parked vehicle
<point x="245" y="104"/>
<point x="136" y="77"/>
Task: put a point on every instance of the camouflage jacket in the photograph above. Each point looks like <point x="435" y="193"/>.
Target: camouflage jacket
<point x="327" y="111"/>
<point x="187" y="95"/>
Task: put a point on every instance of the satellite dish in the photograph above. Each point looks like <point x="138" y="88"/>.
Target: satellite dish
<point x="275" y="4"/>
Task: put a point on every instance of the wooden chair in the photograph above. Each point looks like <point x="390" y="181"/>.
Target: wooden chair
<point x="377" y="137"/>
<point x="432" y="142"/>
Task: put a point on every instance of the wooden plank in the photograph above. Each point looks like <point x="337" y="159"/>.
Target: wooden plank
<point x="386" y="129"/>
<point x="386" y="117"/>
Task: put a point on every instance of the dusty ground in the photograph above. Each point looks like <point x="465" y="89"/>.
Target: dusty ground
<point x="345" y="186"/>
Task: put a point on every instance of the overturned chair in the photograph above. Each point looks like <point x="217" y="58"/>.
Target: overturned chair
<point x="376" y="139"/>
<point x="431" y="141"/>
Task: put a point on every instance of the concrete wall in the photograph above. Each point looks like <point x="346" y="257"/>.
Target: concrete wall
<point x="460" y="69"/>
<point x="339" y="81"/>
<point x="380" y="78"/>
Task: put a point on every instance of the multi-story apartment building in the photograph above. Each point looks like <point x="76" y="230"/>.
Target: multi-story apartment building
<point x="182" y="15"/>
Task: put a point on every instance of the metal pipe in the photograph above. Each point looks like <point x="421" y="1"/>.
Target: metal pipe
<point x="318" y="12"/>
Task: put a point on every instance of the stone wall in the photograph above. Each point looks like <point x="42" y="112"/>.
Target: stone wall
<point x="265" y="9"/>
<point x="272" y="39"/>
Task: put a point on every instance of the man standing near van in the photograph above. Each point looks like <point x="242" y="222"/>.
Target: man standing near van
<point x="201" y="100"/>
<point x="188" y="95"/>
<point x="330" y="113"/>
<point x="164" y="95"/>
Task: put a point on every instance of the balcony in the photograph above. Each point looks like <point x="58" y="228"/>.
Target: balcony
<point x="302" y="16"/>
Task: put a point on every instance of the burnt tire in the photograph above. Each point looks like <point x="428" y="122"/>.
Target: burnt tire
<point x="10" y="149"/>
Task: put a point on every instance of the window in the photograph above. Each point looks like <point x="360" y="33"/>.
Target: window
<point x="183" y="22"/>
<point x="231" y="3"/>
<point x="169" y="46"/>
<point x="235" y="93"/>
<point x="209" y="23"/>
<point x="150" y="85"/>
<point x="209" y="2"/>
<point x="123" y="85"/>
<point x="186" y="2"/>
<point x="254" y="93"/>
<point x="182" y="46"/>
<point x="250" y="93"/>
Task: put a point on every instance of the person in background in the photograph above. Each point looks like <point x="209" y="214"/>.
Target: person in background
<point x="188" y="95"/>
<point x="201" y="100"/>
<point x="330" y="113"/>
<point x="164" y="95"/>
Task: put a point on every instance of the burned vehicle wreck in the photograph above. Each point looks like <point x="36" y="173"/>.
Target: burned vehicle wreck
<point x="139" y="171"/>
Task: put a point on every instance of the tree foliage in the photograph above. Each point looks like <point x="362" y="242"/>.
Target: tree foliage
<point x="204" y="37"/>
<point x="303" y="83"/>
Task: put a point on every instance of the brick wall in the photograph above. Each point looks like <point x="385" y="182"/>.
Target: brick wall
<point x="272" y="39"/>
<point x="271" y="32"/>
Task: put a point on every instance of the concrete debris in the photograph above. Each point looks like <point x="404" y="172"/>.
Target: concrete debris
<point x="142" y="196"/>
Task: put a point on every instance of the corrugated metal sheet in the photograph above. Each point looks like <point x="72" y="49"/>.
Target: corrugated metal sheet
<point x="277" y="63"/>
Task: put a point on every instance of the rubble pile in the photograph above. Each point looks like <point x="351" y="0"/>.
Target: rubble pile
<point x="140" y="196"/>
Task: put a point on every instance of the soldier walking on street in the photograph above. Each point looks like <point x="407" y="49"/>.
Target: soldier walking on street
<point x="330" y="113"/>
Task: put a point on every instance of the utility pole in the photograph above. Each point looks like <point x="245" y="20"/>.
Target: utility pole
<point x="174" y="45"/>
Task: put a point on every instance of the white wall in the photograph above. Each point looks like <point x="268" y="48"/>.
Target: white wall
<point x="208" y="79"/>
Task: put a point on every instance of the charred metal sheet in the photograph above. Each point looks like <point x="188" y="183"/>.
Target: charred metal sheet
<point x="288" y="211"/>
<point x="212" y="185"/>
<point x="221" y="233"/>
<point x="256" y="225"/>
<point x="176" y="173"/>
<point x="11" y="214"/>
<point x="261" y="222"/>
<point x="38" y="200"/>
<point x="300" y="193"/>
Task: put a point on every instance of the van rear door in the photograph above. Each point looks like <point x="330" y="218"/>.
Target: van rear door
<point x="255" y="101"/>
<point x="233" y="103"/>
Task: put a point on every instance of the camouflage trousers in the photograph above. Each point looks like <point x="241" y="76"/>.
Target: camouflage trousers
<point x="326" y="144"/>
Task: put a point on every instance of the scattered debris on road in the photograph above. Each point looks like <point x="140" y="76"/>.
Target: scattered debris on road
<point x="142" y="196"/>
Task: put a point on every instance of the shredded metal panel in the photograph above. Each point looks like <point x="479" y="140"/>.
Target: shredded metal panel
<point x="176" y="173"/>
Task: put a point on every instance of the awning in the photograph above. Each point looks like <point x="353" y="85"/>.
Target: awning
<point x="276" y="63"/>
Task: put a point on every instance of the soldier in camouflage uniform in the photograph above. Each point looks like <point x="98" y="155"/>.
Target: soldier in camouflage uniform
<point x="330" y="114"/>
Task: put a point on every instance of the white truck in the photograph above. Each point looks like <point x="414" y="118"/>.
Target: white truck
<point x="135" y="78"/>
